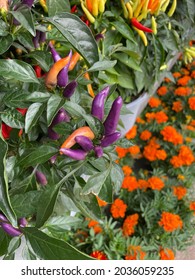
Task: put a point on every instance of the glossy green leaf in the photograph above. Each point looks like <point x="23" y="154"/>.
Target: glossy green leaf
<point x="125" y="30"/>
<point x="4" y="242"/>
<point x="24" y="16"/>
<point x="3" y="28"/>
<point x="95" y="183"/>
<point x="25" y="204"/>
<point x="5" y="204"/>
<point x="25" y="39"/>
<point x="54" y="103"/>
<point x="48" y="248"/>
<point x="40" y="155"/>
<point x="46" y="204"/>
<point x="17" y="70"/>
<point x="191" y="9"/>
<point x="62" y="223"/>
<point x="43" y="59"/>
<point x="78" y="35"/>
<point x="33" y="114"/>
<point x="127" y="60"/>
<point x="5" y="43"/>
<point x="57" y="6"/>
<point x="13" y="118"/>
<point x="102" y="65"/>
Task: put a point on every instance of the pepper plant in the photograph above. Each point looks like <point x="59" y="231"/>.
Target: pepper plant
<point x="52" y="132"/>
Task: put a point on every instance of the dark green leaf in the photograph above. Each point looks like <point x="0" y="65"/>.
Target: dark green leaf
<point x="48" y="248"/>
<point x="25" y="204"/>
<point x="13" y="118"/>
<point x="78" y="34"/>
<point x="18" y="70"/>
<point x="95" y="183"/>
<point x="5" y="204"/>
<point x="24" y="16"/>
<point x="57" y="6"/>
<point x="26" y="40"/>
<point x="62" y="223"/>
<point x="33" y="114"/>
<point x="14" y="244"/>
<point x="4" y="242"/>
<point x="127" y="60"/>
<point x="191" y="9"/>
<point x="43" y="59"/>
<point x="46" y="205"/>
<point x="74" y="109"/>
<point x="3" y="28"/>
<point x="102" y="65"/>
<point x="53" y="105"/>
<point x="124" y="29"/>
<point x="38" y="156"/>
<point x="5" y="43"/>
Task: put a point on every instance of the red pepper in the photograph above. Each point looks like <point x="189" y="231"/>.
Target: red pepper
<point x="38" y="70"/>
<point x="22" y="110"/>
<point x="5" y="130"/>
<point x="140" y="26"/>
<point x="74" y="9"/>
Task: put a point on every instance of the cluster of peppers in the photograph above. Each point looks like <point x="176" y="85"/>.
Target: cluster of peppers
<point x="137" y="10"/>
<point x="9" y="229"/>
<point x="92" y="8"/>
<point x="83" y="136"/>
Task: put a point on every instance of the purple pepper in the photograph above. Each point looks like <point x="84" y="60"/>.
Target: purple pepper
<point x="98" y="151"/>
<point x="99" y="36"/>
<point x="3" y="218"/>
<point x="36" y="39"/>
<point x="70" y="89"/>
<point x="53" y="159"/>
<point x="61" y="116"/>
<point x="54" y="53"/>
<point x="42" y="37"/>
<point x="74" y="154"/>
<point x="9" y="229"/>
<point x="29" y="3"/>
<point x="22" y="222"/>
<point x="41" y="178"/>
<point x="110" y="139"/>
<point x="85" y="143"/>
<point x="97" y="109"/>
<point x="112" y="119"/>
<point x="63" y="75"/>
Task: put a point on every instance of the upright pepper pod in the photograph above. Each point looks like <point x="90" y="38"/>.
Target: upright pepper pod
<point x="112" y="119"/>
<point x="98" y="151"/>
<point x="97" y="109"/>
<point x="110" y="139"/>
<point x="41" y="178"/>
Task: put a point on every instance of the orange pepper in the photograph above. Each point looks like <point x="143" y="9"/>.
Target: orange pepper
<point x="51" y="77"/>
<point x="89" y="5"/>
<point x="89" y="87"/>
<point x="75" y="58"/>
<point x="81" y="131"/>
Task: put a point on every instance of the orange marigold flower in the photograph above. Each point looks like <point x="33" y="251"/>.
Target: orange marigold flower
<point x="179" y="191"/>
<point x="182" y="91"/>
<point x="142" y="184"/>
<point x="176" y="161"/>
<point x="154" y="102"/>
<point x="161" y="154"/>
<point x="184" y="80"/>
<point x="95" y="225"/>
<point x="127" y="170"/>
<point x="134" y="150"/>
<point x="191" y="102"/>
<point x="130" y="183"/>
<point x="161" y="117"/>
<point x="150" y="153"/>
<point x="150" y="116"/>
<point x="193" y="74"/>
<point x="98" y="255"/>
<point x="192" y="205"/>
<point x="186" y="155"/>
<point x="132" y="132"/>
<point x="139" y="120"/>
<point x="166" y="254"/>
<point x="162" y="90"/>
<point x="177" y="106"/>
<point x="101" y="202"/>
<point x="167" y="80"/>
<point x="190" y="127"/>
<point x="192" y="123"/>
<point x="155" y="183"/>
<point x="145" y="135"/>
<point x="170" y="221"/>
<point x="129" y="223"/>
<point x="184" y="71"/>
<point x="118" y="208"/>
<point x="176" y="75"/>
<point x="170" y="134"/>
<point x="135" y="253"/>
<point x="121" y="151"/>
